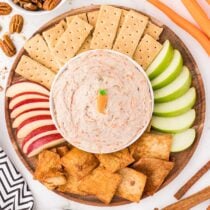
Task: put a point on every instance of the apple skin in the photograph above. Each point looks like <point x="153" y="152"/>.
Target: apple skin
<point x="38" y="131"/>
<point x="178" y="91"/>
<point x="32" y="123"/>
<point x="44" y="143"/>
<point x="21" y="87"/>
<point x="29" y="107"/>
<point x="18" y="120"/>
<point x="173" y="108"/>
<point x="26" y="96"/>
<point x="159" y="64"/>
<point x="183" y="140"/>
<point x="170" y="73"/>
<point x="28" y="101"/>
<point x="174" y="124"/>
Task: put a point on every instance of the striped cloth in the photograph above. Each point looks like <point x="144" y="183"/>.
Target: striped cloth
<point x="14" y="191"/>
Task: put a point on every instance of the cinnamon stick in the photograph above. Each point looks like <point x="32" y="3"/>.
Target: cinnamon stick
<point x="190" y="201"/>
<point x="181" y="192"/>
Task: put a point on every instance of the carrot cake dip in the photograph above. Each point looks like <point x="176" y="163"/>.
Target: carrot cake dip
<point x="101" y="101"/>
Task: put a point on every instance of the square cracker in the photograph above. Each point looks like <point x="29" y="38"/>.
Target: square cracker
<point x="71" y="186"/>
<point x="152" y="145"/>
<point x="153" y="30"/>
<point x="115" y="161"/>
<point x="101" y="183"/>
<point x="106" y="27"/>
<point x="39" y="51"/>
<point x="156" y="171"/>
<point x="132" y="185"/>
<point x="92" y="17"/>
<point x="34" y="71"/>
<point x="130" y="33"/>
<point x="79" y="163"/>
<point x="82" y="16"/>
<point x="52" y="35"/>
<point x="72" y="39"/>
<point x="146" y="51"/>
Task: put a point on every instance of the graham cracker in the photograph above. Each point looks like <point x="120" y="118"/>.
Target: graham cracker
<point x="153" y="30"/>
<point x="82" y="16"/>
<point x="106" y="27"/>
<point x="92" y="18"/>
<point x="146" y="51"/>
<point x="86" y="45"/>
<point x="130" y="33"/>
<point x="34" y="71"/>
<point x="52" y="35"/>
<point x="39" y="51"/>
<point x="122" y="19"/>
<point x="72" y="39"/>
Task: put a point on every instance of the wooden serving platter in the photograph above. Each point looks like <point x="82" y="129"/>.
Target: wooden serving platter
<point x="180" y="159"/>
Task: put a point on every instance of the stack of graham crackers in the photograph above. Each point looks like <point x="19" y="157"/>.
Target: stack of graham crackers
<point x="128" y="32"/>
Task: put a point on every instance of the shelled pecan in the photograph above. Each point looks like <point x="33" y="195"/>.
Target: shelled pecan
<point x="16" y="24"/>
<point x="5" y="8"/>
<point x="34" y="5"/>
<point x="7" y="46"/>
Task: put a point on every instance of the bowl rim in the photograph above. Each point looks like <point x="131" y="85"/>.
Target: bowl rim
<point x="38" y="12"/>
<point x="139" y="68"/>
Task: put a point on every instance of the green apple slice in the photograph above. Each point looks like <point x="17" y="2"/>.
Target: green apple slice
<point x="175" y="89"/>
<point x="177" y="106"/>
<point x="174" y="124"/>
<point x="170" y="73"/>
<point x="161" y="61"/>
<point x="183" y="140"/>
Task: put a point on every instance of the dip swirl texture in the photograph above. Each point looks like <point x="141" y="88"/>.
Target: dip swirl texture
<point x="74" y="97"/>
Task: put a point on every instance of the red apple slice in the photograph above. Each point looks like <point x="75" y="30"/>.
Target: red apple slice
<point x="35" y="138"/>
<point x="21" y="87"/>
<point x="26" y="96"/>
<point x="23" y="107"/>
<point x="35" y="134"/>
<point x="32" y="123"/>
<point x="28" y="115"/>
<point x="44" y="143"/>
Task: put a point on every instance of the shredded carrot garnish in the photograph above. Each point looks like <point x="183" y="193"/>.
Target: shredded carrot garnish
<point x="183" y="23"/>
<point x="102" y="100"/>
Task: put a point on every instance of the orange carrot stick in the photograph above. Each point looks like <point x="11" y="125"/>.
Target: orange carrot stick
<point x="102" y="100"/>
<point x="208" y="1"/>
<point x="200" y="9"/>
<point x="195" y="10"/>
<point x="183" y="23"/>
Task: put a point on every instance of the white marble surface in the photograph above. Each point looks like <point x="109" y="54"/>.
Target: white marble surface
<point x="46" y="200"/>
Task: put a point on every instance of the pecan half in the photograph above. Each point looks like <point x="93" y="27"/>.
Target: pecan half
<point x="7" y="46"/>
<point x="50" y="4"/>
<point x="5" y="8"/>
<point x="38" y="3"/>
<point x="30" y="6"/>
<point x="16" y="24"/>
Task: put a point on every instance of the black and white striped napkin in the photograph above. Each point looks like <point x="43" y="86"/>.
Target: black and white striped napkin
<point x="14" y="191"/>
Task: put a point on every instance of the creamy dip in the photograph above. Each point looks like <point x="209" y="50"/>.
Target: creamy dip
<point x="74" y="101"/>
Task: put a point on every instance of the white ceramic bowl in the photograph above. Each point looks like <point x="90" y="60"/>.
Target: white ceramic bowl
<point x="52" y="110"/>
<point x="39" y="12"/>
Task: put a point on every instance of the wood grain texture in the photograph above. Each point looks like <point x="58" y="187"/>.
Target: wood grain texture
<point x="180" y="159"/>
